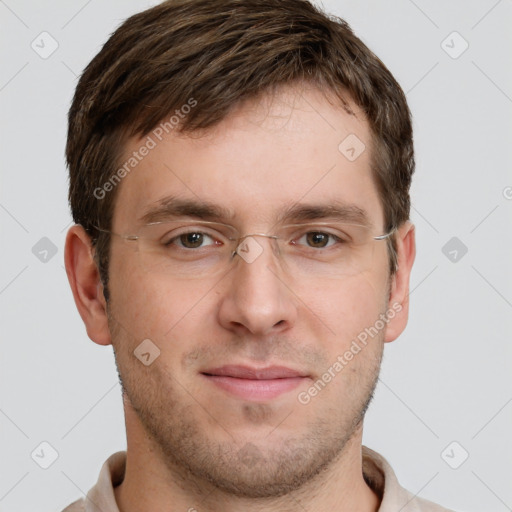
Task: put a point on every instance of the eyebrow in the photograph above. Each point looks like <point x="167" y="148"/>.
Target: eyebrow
<point x="172" y="207"/>
<point x="338" y="210"/>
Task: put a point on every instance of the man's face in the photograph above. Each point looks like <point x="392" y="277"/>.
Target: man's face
<point x="250" y="436"/>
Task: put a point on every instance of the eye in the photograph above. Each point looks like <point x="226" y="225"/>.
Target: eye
<point x="318" y="239"/>
<point x="192" y="240"/>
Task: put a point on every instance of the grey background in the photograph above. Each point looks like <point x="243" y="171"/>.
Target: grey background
<point x="446" y="379"/>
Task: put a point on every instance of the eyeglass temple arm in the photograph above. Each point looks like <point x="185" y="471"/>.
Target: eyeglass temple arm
<point x="387" y="235"/>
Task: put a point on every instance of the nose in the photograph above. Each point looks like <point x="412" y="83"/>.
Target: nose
<point x="256" y="298"/>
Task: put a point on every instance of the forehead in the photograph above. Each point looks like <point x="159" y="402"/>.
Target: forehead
<point x="267" y="155"/>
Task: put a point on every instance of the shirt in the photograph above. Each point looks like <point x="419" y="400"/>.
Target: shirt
<point x="377" y="473"/>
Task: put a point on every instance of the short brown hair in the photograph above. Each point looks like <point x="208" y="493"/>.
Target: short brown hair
<point x="221" y="52"/>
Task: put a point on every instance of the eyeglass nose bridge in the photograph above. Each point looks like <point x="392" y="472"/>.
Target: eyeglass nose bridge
<point x="240" y="239"/>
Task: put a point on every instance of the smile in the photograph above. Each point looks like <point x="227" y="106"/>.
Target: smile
<point x="255" y="384"/>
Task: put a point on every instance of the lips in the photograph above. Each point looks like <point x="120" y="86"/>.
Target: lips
<point x="257" y="384"/>
<point x="246" y="372"/>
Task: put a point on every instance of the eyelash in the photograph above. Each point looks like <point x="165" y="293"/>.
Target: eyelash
<point x="334" y="239"/>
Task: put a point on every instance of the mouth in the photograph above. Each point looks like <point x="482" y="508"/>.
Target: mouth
<point x="257" y="384"/>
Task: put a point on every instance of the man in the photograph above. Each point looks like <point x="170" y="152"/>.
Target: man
<point x="239" y="179"/>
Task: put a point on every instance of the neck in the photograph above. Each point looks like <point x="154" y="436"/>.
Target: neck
<point x="151" y="484"/>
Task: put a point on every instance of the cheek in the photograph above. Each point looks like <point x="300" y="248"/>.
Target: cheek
<point x="355" y="298"/>
<point x="344" y="311"/>
<point x="155" y="306"/>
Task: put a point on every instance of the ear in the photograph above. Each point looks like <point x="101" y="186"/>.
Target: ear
<point x="84" y="279"/>
<point x="399" y="293"/>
